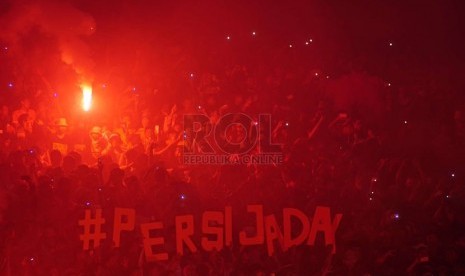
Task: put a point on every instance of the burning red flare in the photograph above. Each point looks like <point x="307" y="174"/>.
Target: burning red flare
<point x="86" y="97"/>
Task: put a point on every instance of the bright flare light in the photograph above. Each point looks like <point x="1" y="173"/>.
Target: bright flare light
<point x="86" y="97"/>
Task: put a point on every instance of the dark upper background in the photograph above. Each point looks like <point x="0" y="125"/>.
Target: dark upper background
<point x="142" y="42"/>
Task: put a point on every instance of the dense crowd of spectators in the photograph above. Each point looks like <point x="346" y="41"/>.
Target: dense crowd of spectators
<point x="391" y="164"/>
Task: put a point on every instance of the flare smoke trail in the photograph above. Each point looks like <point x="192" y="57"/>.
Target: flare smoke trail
<point x="59" y="20"/>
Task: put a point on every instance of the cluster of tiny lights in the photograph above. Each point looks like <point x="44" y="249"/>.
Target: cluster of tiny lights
<point x="10" y="85"/>
<point x="306" y="42"/>
<point x="227" y="38"/>
<point x="192" y="74"/>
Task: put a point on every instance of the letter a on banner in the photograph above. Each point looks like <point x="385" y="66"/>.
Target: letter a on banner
<point x="322" y="223"/>
<point x="273" y="233"/>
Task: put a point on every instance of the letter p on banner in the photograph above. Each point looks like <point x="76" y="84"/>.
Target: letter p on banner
<point x="119" y="225"/>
